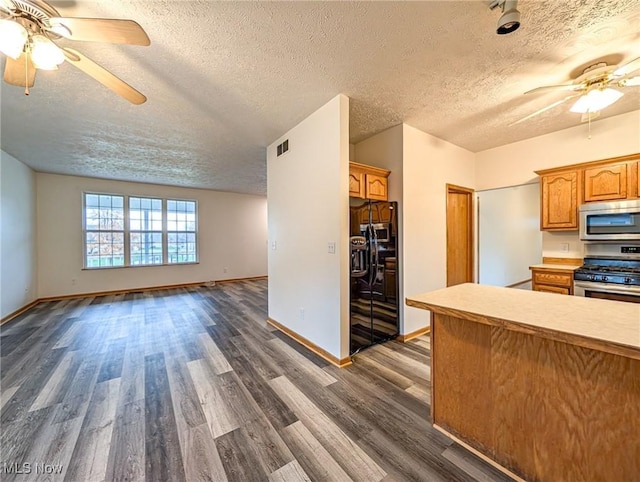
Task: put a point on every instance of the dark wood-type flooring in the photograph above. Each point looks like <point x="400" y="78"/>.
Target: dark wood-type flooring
<point x="193" y="385"/>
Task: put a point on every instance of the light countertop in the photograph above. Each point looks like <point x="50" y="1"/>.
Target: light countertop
<point x="611" y="326"/>
<point x="567" y="267"/>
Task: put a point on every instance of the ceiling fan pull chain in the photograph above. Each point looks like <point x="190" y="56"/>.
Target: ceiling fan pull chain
<point x="26" y="72"/>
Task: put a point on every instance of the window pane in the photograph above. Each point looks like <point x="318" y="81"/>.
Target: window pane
<point x="146" y="248"/>
<point x="104" y="222"/>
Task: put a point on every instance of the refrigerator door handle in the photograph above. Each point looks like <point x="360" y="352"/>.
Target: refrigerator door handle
<point x="372" y="264"/>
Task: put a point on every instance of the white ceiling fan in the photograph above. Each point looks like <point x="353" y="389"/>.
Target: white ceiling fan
<point x="29" y="30"/>
<point x="594" y="90"/>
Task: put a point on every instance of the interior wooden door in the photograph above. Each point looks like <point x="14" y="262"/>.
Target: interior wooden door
<point x="460" y="221"/>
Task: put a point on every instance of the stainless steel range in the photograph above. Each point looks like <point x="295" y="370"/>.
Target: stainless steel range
<point x="610" y="271"/>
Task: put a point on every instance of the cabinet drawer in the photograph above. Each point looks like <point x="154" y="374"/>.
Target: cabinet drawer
<point x="553" y="278"/>
<point x="552" y="289"/>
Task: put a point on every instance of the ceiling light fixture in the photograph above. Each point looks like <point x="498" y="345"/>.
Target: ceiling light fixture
<point x="595" y="100"/>
<point x="510" y="19"/>
<point x="13" y="36"/>
<point x="44" y="54"/>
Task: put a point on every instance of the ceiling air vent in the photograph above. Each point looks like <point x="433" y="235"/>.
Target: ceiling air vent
<point x="282" y="148"/>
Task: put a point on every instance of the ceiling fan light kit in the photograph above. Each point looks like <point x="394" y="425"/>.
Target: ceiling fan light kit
<point x="45" y="54"/>
<point x="509" y="21"/>
<point x="28" y="37"/>
<point x="595" y="100"/>
<point x="13" y="36"/>
<point x="594" y="88"/>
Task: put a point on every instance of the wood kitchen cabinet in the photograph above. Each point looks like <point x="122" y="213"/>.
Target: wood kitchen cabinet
<point x="559" y="201"/>
<point x="368" y="182"/>
<point x="606" y="183"/>
<point x="562" y="189"/>
<point x="552" y="280"/>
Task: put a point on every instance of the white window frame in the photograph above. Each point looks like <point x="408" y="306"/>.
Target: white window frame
<point x="127" y="231"/>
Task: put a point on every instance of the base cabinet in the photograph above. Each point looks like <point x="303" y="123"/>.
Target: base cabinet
<point x="552" y="280"/>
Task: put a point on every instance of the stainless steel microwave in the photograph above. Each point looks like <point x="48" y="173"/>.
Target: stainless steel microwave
<point x="382" y="231"/>
<point x="610" y="221"/>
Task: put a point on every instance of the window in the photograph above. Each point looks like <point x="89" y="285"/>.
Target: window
<point x="181" y="231"/>
<point x="150" y="231"/>
<point x="104" y="230"/>
<point x="145" y="231"/>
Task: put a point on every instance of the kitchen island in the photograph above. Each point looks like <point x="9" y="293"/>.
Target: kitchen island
<point x="546" y="387"/>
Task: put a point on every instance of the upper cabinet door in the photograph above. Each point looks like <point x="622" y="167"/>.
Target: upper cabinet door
<point x="376" y="187"/>
<point x="559" y="201"/>
<point x="605" y="183"/>
<point x="368" y="182"/>
<point x="356" y="183"/>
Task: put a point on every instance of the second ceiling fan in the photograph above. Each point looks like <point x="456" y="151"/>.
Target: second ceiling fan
<point x="597" y="88"/>
<point x="29" y="30"/>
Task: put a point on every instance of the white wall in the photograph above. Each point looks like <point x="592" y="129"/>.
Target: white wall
<point x="18" y="269"/>
<point x="232" y="234"/>
<point x="308" y="197"/>
<point x="429" y="164"/>
<point x="515" y="163"/>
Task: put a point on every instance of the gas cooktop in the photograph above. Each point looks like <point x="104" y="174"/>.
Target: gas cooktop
<point x="605" y="270"/>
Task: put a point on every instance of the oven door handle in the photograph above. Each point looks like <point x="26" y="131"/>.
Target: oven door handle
<point x="607" y="287"/>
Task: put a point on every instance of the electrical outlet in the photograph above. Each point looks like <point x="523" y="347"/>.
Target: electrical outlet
<point x="73" y="281"/>
<point x="332" y="247"/>
<point x="564" y="247"/>
<point x="225" y="269"/>
<point x="274" y="245"/>
<point x="301" y="314"/>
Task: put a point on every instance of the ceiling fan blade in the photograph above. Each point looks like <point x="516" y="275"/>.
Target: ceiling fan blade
<point x="544" y="109"/>
<point x="627" y="68"/>
<point x="103" y="76"/>
<point x="568" y="86"/>
<point x="100" y="30"/>
<point x="630" y="81"/>
<point x="20" y="72"/>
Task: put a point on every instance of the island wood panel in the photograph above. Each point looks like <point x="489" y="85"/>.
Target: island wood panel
<point x="460" y="380"/>
<point x="552" y="411"/>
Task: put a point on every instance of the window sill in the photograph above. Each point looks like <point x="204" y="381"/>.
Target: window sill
<point x="164" y="265"/>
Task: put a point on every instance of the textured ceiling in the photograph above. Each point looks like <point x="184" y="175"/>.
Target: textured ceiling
<point x="225" y="79"/>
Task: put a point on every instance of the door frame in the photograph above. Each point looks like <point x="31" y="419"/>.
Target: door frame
<point x="453" y="188"/>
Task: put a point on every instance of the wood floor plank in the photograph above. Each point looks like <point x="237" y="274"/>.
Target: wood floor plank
<point x="240" y="464"/>
<point x="54" y="445"/>
<point x="127" y="449"/>
<point x="59" y="383"/>
<point x="90" y="455"/>
<point x="292" y="472"/>
<point x="200" y="454"/>
<point x="76" y="398"/>
<point x="6" y="394"/>
<point x="37" y="377"/>
<point x="163" y="457"/>
<point x="213" y="355"/>
<point x="271" y="451"/>
<point x="357" y="464"/>
<point x="274" y="409"/>
<point x="312" y="456"/>
<point x="219" y="417"/>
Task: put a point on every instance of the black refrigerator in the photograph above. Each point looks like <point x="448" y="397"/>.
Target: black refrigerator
<point x="374" y="274"/>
